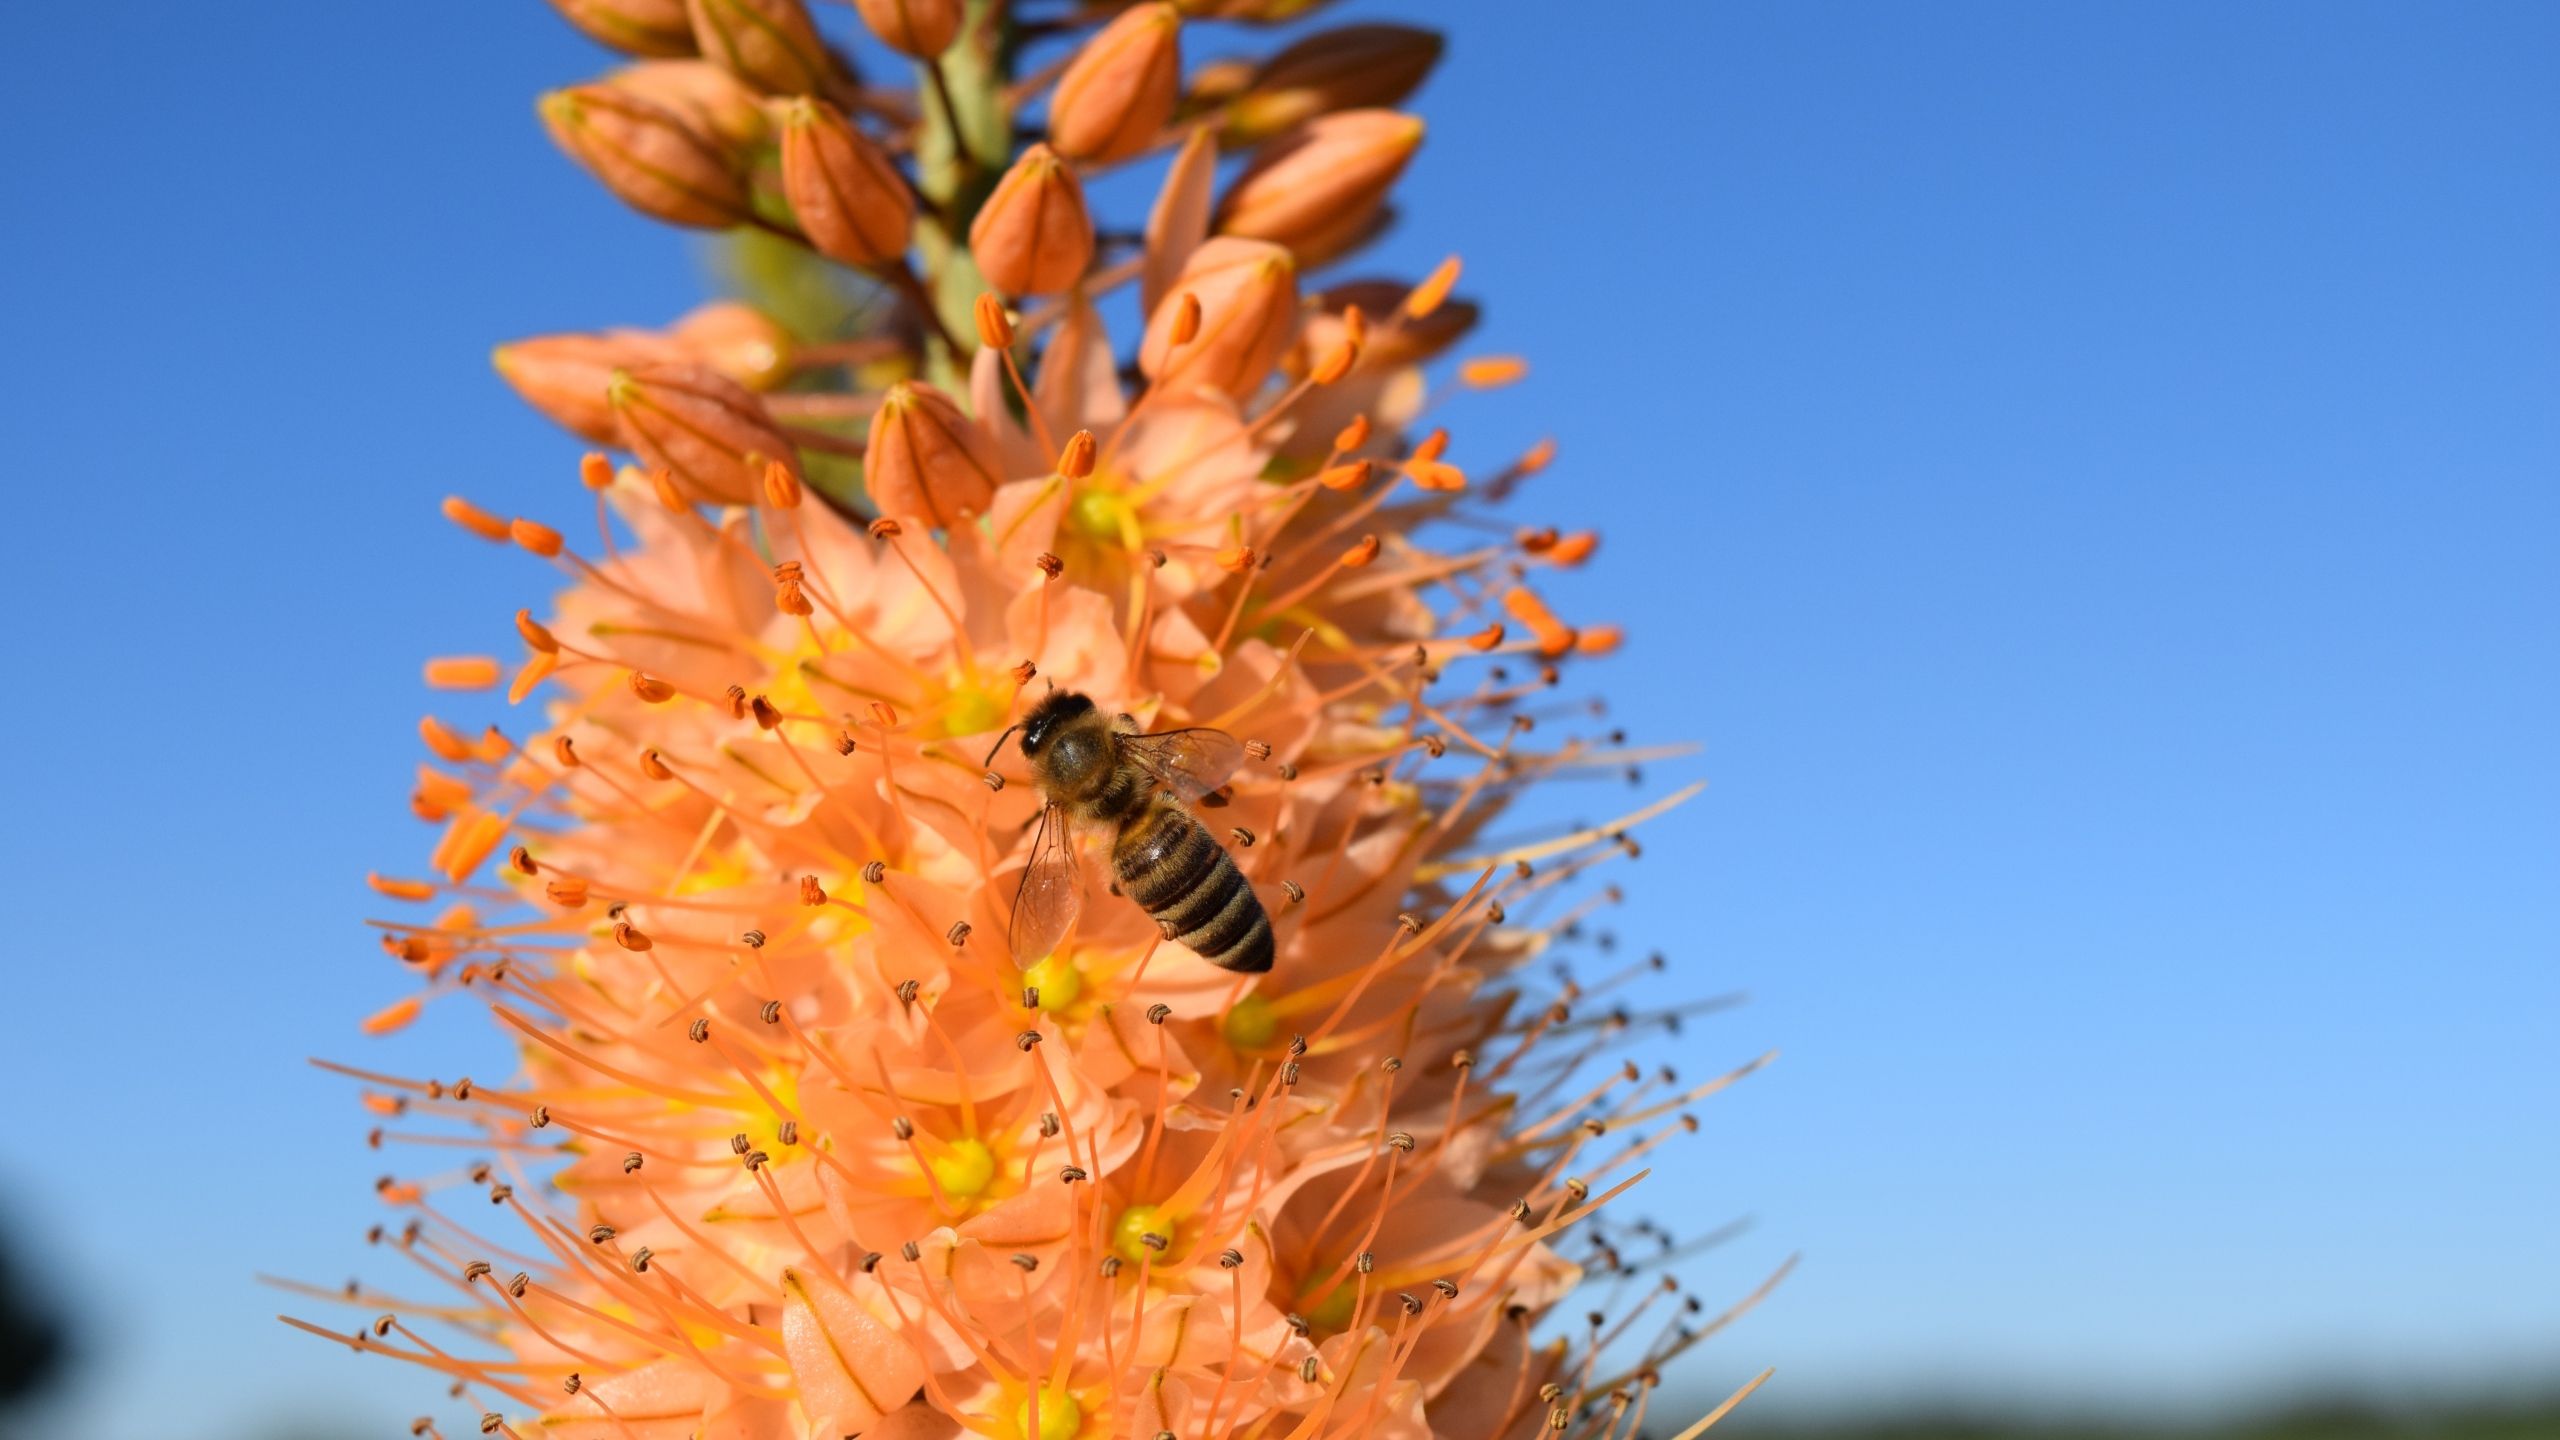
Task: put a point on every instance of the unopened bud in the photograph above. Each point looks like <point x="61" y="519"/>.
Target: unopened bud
<point x="654" y="158"/>
<point x="1033" y="237"/>
<point x="737" y="340"/>
<point x="722" y="109"/>
<point x="770" y="44"/>
<point x="1248" y="299"/>
<point x="921" y="29"/>
<point x="1317" y="189"/>
<point x="564" y="377"/>
<point x="634" y="27"/>
<point x="849" y="199"/>
<point x="703" y="430"/>
<point x="928" y="460"/>
<point x="1120" y="89"/>
<point x="1344" y="69"/>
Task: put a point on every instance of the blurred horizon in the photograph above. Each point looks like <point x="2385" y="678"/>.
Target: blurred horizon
<point x="2084" y="474"/>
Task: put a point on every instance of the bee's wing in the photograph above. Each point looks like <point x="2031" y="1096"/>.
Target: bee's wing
<point x="1045" y="905"/>
<point x="1193" y="762"/>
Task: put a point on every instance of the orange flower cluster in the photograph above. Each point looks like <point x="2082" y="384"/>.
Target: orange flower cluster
<point x="801" y="1148"/>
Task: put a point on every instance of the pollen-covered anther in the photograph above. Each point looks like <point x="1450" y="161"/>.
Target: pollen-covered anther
<point x="1230" y="1258"/>
<point x="1345" y="477"/>
<point x="595" y="470"/>
<point x="902" y="1127"/>
<point x="1154" y="1242"/>
<point x="1410" y="1304"/>
<point x="1580" y="1190"/>
<point x="1076" y="457"/>
<point x="1234" y="559"/>
<point x="491" y="1422"/>
<point x="754" y="940"/>
<point x="1364" y="1262"/>
<point x="811" y="892"/>
<point x="1310" y="1368"/>
<point x="1293" y="890"/>
<point x="1595" y="1126"/>
<point x="631" y="1162"/>
<point x="845" y="743"/>
<point x="1399" y="1140"/>
<point x="651" y="689"/>
<point x="781" y="487"/>
<point x="910" y="1252"/>
<point x="518" y="1284"/>
<point x="476" y="520"/>
<point x="567" y="894"/>
<point x="766" y="717"/>
<point x="958" y="934"/>
<point x="572" y="1383"/>
<point x="1241" y="836"/>
<point x="1408" y="922"/>
<point x="535" y="636"/>
<point x="1071" y="1174"/>
<point x="1026" y="1040"/>
<point x="699" y="1031"/>
<point x="535" y="536"/>
<point x="1494" y="912"/>
<point x="737" y="698"/>
<point x="1050" y="566"/>
<point x="995" y="328"/>
<point x="475" y="1270"/>
<point x="629" y="937"/>
<point x="565" y="752"/>
<point x="885" y="528"/>
<point x="992" y="780"/>
<point x="1158" y="1013"/>
<point x="640" y="1258"/>
<point x="1448" y="1288"/>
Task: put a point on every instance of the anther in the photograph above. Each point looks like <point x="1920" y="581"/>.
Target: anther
<point x="1411" y="1305"/>
<point x="1158" y="1013"/>
<point x="1463" y="1060"/>
<point x="565" y="753"/>
<point x="1288" y="772"/>
<point x="757" y="1159"/>
<point x="1023" y="672"/>
<point x="1297" y="1046"/>
<point x="654" y="765"/>
<point x="1110" y="1266"/>
<point x="572" y="1383"/>
<point x="1154" y="1242"/>
<point x="885" y="528"/>
<point x="766" y="716"/>
<point x="1026" y="1263"/>
<point x="630" y="1162"/>
<point x="1296" y="1322"/>
<point x="517" y="1285"/>
<point x="737" y="702"/>
<point x="474" y="1270"/>
<point x="1289" y="1073"/>
<point x="1401" y="1141"/>
<point x="1595" y="1126"/>
<point x="651" y="689"/>
<point x="480" y="1174"/>
<point x="1364" y="1262"/>
<point x="1550" y="1392"/>
<point x="1392" y="1064"/>
<point x="1352" y="436"/>
<point x="910" y="1252"/>
<point x="1689" y="1123"/>
<point x="1186" y="326"/>
<point x="462" y="1088"/>
<point x="1048" y="1125"/>
<point x="1075" y="461"/>
<point x="1024" y="1041"/>
<point x="498" y="1194"/>
<point x="958" y="934"/>
<point x="1409" y="923"/>
<point x="699" y="1030"/>
<point x="781" y="487"/>
<point x="995" y="330"/>
<point x="1293" y="890"/>
<point x="1071" y="1174"/>
<point x="788" y="1132"/>
<point x="739" y="1144"/>
<point x="598" y="1234"/>
<point x="541" y="1116"/>
<point x="1523" y="869"/>
<point x="640" y="1258"/>
<point x="1308" y="1368"/>
<point x="1030" y="997"/>
<point x="811" y="892"/>
<point x="993" y="780"/>
<point x="1345" y="477"/>
<point x="1050" y="565"/>
<point x="845" y="743"/>
<point x="1241" y="836"/>
<point x="902" y="1127"/>
<point x="871" y="1260"/>
<point x="1448" y="1288"/>
<point x="629" y="938"/>
<point x="771" y="1014"/>
<point x="873" y="873"/>
<point x="1520" y="1211"/>
<point x="491" y="1422"/>
<point x="383" y="1326"/>
<point x="1230" y="1258"/>
<point x="534" y="635"/>
<point x="1158" y="559"/>
<point x="476" y="520"/>
<point x="1494" y="912"/>
<point x="1234" y="559"/>
<point x="907" y="991"/>
<point x="1580" y="1190"/>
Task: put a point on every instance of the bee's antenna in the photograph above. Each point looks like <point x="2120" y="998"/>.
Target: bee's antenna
<point x="999" y="745"/>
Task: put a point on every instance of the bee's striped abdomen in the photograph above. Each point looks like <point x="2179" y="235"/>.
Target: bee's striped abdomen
<point x="1167" y="862"/>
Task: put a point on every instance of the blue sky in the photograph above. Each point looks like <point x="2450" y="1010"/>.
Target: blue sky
<point x="2085" y="473"/>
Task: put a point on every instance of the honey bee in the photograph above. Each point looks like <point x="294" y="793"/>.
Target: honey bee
<point x="1095" y="769"/>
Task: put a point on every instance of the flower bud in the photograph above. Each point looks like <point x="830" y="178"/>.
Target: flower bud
<point x="1355" y="67"/>
<point x="634" y="27"/>
<point x="922" y="29"/>
<point x="1247" y="292"/>
<point x="770" y="44"/>
<point x="851" y="202"/>
<point x="650" y="156"/>
<point x="737" y="340"/>
<point x="995" y="328"/>
<point x="1317" y="189"/>
<point x="700" y="430"/>
<point x="926" y="460"/>
<point x="1033" y="237"/>
<point x="722" y="108"/>
<point x="564" y="376"/>
<point x="1120" y="90"/>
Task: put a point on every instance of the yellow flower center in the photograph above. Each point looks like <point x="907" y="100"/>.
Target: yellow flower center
<point x="1100" y="515"/>
<point x="1250" y="1025"/>
<point x="1058" y="982"/>
<point x="972" y="711"/>
<point x="1137" y="1222"/>
<point x="966" y="1169"/>
<point x="1336" y="1310"/>
<point x="1060" y="1416"/>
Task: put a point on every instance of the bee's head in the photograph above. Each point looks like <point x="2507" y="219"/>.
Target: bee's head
<point x="1046" y="718"/>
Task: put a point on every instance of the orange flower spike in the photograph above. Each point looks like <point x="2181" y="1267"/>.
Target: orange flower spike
<point x="1033" y="237"/>
<point x="1120" y="89"/>
<point x="476" y="520"/>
